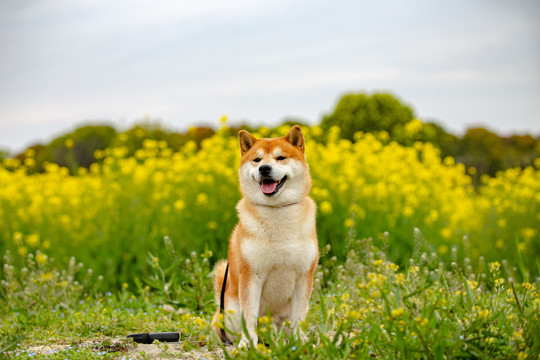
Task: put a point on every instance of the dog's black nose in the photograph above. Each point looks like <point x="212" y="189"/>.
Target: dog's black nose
<point x="265" y="170"/>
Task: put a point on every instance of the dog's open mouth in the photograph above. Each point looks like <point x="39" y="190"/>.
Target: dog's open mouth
<point x="270" y="187"/>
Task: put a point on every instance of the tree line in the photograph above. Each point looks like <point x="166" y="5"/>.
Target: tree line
<point x="482" y="151"/>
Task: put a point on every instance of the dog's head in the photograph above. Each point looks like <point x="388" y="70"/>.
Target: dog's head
<point x="274" y="172"/>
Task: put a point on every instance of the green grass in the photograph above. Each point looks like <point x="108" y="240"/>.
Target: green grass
<point x="365" y="307"/>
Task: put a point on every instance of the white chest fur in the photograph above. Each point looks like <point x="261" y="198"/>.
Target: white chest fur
<point x="280" y="250"/>
<point x="281" y="238"/>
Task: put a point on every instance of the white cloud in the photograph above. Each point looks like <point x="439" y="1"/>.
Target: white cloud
<point x="107" y="14"/>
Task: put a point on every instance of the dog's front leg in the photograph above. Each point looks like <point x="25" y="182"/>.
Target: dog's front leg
<point x="250" y="299"/>
<point x="299" y="303"/>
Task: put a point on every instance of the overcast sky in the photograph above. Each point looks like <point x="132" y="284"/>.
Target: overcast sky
<point x="65" y="62"/>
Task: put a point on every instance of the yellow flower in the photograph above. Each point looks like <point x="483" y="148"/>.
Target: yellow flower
<point x="355" y="315"/>
<point x="99" y="154"/>
<point x="446" y="233"/>
<point x="326" y="207"/>
<point x="377" y="262"/>
<point x="120" y="152"/>
<point x="517" y="336"/>
<point x="29" y="162"/>
<point x="408" y="211"/>
<point x="41" y="259"/>
<point x="494" y="266"/>
<point x="46" y="277"/>
<point x="150" y="144"/>
<point x="265" y="320"/>
<point x="472" y="284"/>
<point x="17" y="237"/>
<point x="397" y="312"/>
<point x="528" y="286"/>
<point x="400" y="279"/>
<point x="449" y="161"/>
<point x="202" y="199"/>
<point x="22" y="251"/>
<point x="32" y="240"/>
<point x="179" y="205"/>
<point x="432" y="217"/>
<point x="413" y="127"/>
<point x="528" y="233"/>
<point x="484" y="314"/>
<point x="421" y="321"/>
<point x="392" y="267"/>
<point x="442" y="249"/>
<point x="207" y="254"/>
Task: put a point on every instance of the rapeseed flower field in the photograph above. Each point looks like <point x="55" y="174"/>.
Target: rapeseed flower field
<point x="114" y="213"/>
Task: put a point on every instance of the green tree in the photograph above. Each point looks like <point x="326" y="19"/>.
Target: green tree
<point x="481" y="149"/>
<point x="521" y="150"/>
<point x="134" y="137"/>
<point x="368" y="113"/>
<point x="434" y="133"/>
<point x="39" y="153"/>
<point x="77" y="148"/>
<point x="3" y="154"/>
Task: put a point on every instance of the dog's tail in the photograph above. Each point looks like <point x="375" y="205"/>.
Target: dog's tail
<point x="219" y="274"/>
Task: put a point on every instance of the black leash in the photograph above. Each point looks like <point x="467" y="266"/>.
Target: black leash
<point x="222" y="307"/>
<point x="148" y="338"/>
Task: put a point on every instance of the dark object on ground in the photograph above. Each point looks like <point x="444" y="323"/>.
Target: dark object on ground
<point x="148" y="338"/>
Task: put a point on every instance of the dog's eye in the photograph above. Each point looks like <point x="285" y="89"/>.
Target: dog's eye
<point x="281" y="157"/>
<point x="257" y="159"/>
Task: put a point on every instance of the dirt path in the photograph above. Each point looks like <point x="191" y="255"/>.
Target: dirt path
<point x="129" y="350"/>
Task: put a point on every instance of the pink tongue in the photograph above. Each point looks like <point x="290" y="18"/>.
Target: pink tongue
<point x="268" y="188"/>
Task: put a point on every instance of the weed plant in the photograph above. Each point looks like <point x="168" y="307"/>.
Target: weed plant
<point x="366" y="307"/>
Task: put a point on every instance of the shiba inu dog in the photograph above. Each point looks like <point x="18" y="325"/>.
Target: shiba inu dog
<point x="273" y="250"/>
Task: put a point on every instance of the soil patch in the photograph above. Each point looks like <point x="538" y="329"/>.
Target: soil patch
<point x="132" y="350"/>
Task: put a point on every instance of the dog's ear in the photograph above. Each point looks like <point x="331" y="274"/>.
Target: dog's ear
<point x="295" y="137"/>
<point x="246" y="141"/>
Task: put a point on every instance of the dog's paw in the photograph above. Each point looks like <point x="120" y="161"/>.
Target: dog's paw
<point x="245" y="342"/>
<point x="300" y="335"/>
